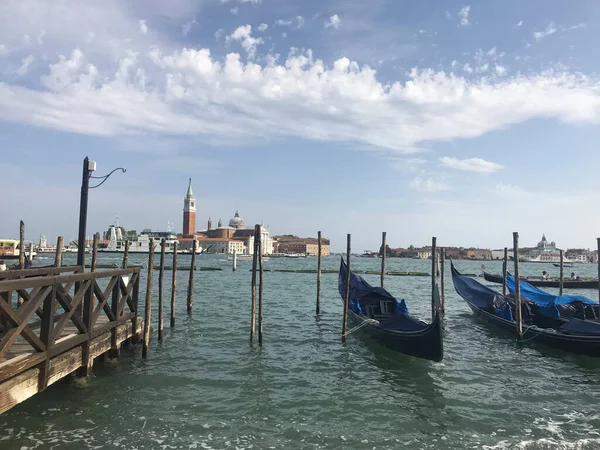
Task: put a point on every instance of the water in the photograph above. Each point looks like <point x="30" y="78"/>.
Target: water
<point x="205" y="387"/>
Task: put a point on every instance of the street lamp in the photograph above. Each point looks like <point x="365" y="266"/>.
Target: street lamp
<point x="88" y="168"/>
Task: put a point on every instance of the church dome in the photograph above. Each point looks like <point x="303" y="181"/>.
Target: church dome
<point x="543" y="242"/>
<point x="236" y="221"/>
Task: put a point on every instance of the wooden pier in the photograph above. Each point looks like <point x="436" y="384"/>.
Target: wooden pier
<point x="56" y="320"/>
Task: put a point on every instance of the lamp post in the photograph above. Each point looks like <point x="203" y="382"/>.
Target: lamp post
<point x="88" y="168"/>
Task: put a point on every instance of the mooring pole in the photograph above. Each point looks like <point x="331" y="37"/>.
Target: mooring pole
<point x="598" y="262"/>
<point x="383" y="255"/>
<point x="504" y="270"/>
<point x="234" y="259"/>
<point x="319" y="255"/>
<point x="161" y="275"/>
<point x="433" y="275"/>
<point x="174" y="285"/>
<point x="253" y="305"/>
<point x="347" y="292"/>
<point x="517" y="286"/>
<point x="83" y="206"/>
<point x="126" y="255"/>
<point x="59" y="251"/>
<point x="148" y="312"/>
<point x="22" y="245"/>
<point x="562" y="273"/>
<point x="95" y="252"/>
<point x="442" y="277"/>
<point x="260" y="290"/>
<point x="190" y="292"/>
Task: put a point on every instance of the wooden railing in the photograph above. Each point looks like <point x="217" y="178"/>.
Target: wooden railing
<point x="59" y="312"/>
<point x="38" y="272"/>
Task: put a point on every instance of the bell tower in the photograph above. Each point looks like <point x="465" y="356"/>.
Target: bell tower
<point x="189" y="212"/>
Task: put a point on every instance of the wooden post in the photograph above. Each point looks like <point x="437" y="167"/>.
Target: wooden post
<point x="254" y="262"/>
<point x="442" y="277"/>
<point x="22" y="245"/>
<point x="319" y="255"/>
<point x="562" y="273"/>
<point x="260" y="290"/>
<point x="234" y="260"/>
<point x="59" y="251"/>
<point x="433" y="275"/>
<point x="174" y="285"/>
<point x="161" y="275"/>
<point x="148" y="312"/>
<point x="126" y="254"/>
<point x="598" y="262"/>
<point x="31" y="253"/>
<point x="347" y="291"/>
<point x="383" y="255"/>
<point x="504" y="270"/>
<point x="519" y="317"/>
<point x="190" y="293"/>
<point x="94" y="252"/>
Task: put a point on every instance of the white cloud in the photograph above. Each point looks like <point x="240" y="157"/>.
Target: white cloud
<point x="243" y="34"/>
<point x="262" y="27"/>
<point x="299" y="21"/>
<point x="500" y="70"/>
<point x="550" y="29"/>
<point x="143" y="27"/>
<point x="25" y="64"/>
<point x="520" y="23"/>
<point x="464" y="16"/>
<point x="283" y="22"/>
<point x="3" y="50"/>
<point x="187" y="27"/>
<point x="428" y="185"/>
<point x="333" y="22"/>
<point x="470" y="164"/>
<point x="234" y="10"/>
<point x="448" y="15"/>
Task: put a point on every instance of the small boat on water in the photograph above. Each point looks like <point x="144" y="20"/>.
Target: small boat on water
<point x="569" y="264"/>
<point x="567" y="284"/>
<point x="557" y="321"/>
<point x="244" y="257"/>
<point x="379" y="315"/>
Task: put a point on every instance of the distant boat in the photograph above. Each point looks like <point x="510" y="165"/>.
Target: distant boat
<point x="567" y="284"/>
<point x="244" y="257"/>
<point x="9" y="249"/>
<point x="564" y="264"/>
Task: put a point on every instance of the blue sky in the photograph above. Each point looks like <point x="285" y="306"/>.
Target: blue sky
<point x="463" y="120"/>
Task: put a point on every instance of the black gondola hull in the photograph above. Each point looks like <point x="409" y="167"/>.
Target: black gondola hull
<point x="425" y="344"/>
<point x="567" y="284"/>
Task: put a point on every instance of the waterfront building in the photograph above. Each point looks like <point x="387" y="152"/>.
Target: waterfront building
<point x="294" y="244"/>
<point x="544" y="251"/>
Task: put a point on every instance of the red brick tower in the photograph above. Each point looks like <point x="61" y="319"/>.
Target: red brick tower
<point x="189" y="212"/>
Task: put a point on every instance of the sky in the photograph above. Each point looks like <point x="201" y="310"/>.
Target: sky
<point x="461" y="120"/>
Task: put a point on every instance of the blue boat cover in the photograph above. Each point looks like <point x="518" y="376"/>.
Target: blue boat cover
<point x="363" y="292"/>
<point x="547" y="302"/>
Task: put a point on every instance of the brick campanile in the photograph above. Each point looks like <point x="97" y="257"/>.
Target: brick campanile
<point x="189" y="212"/>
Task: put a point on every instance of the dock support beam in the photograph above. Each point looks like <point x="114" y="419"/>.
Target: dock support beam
<point x="148" y="312"/>
<point x="319" y="255"/>
<point x="347" y="291"/>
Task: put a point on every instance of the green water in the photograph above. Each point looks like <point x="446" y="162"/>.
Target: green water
<point x="206" y="387"/>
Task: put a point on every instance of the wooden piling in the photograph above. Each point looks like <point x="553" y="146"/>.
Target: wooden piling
<point x="383" y="255"/>
<point x="443" y="278"/>
<point x="260" y="291"/>
<point x="433" y="275"/>
<point x="234" y="260"/>
<point x="59" y="251"/>
<point x="190" y="292"/>
<point x="161" y="275"/>
<point x="22" y="245"/>
<point x="347" y="291"/>
<point x="148" y="312"/>
<point x="126" y="255"/>
<point x="519" y="315"/>
<point x="253" y="304"/>
<point x="319" y="255"/>
<point x="31" y="252"/>
<point x="174" y="285"/>
<point x="504" y="270"/>
<point x="94" y="252"/>
<point x="562" y="273"/>
<point x="598" y="262"/>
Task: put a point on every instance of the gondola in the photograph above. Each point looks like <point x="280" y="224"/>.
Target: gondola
<point x="374" y="312"/>
<point x="567" y="284"/>
<point x="568" y="333"/>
